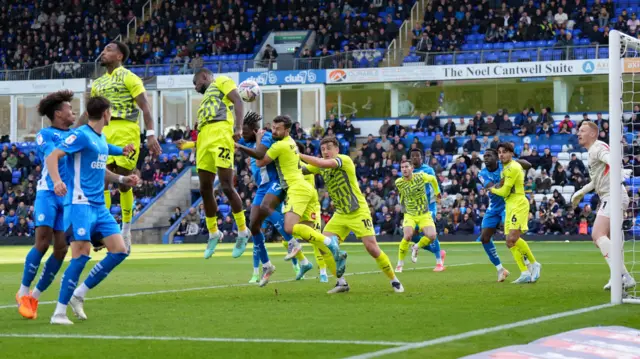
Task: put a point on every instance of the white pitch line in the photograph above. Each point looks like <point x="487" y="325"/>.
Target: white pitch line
<point x="196" y="339"/>
<point x="478" y="332"/>
<point x="137" y="294"/>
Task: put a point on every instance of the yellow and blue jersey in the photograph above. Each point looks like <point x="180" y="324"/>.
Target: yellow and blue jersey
<point x="120" y="87"/>
<point x="284" y="154"/>
<point x="215" y="105"/>
<point x="428" y="187"/>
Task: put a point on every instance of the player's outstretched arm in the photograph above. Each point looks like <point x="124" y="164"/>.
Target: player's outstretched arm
<point x="250" y="151"/>
<point x="578" y="195"/>
<point x="505" y="189"/>
<point x="130" y="180"/>
<point x="234" y="97"/>
<point x="264" y="161"/>
<point x="319" y="162"/>
<point x="52" y="165"/>
<point x="434" y="183"/>
<point x="120" y="151"/>
<point x="152" y="142"/>
<point x="185" y="145"/>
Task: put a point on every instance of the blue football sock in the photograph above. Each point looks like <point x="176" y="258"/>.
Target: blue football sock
<point x="102" y="269"/>
<point x="277" y="219"/>
<point x="31" y="265"/>
<point x="51" y="268"/>
<point x="71" y="277"/>
<point x="258" y="242"/>
<point x="435" y="248"/>
<point x="492" y="252"/>
<point x="256" y="256"/>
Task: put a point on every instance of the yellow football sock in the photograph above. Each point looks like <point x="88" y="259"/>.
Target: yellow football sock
<point x="319" y="258"/>
<point x="310" y="235"/>
<point x="126" y="202"/>
<point x="424" y="241"/>
<point x="241" y="221"/>
<point x="385" y="265"/>
<point x="107" y="199"/>
<point x="330" y="262"/>
<point x="404" y="247"/>
<point x="525" y="250"/>
<point x="518" y="258"/>
<point x="285" y="244"/>
<point x="212" y="224"/>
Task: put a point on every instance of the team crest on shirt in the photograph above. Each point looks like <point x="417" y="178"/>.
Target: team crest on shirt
<point x="81" y="231"/>
<point x="71" y="139"/>
<point x="39" y="140"/>
<point x="41" y="217"/>
<point x="313" y="216"/>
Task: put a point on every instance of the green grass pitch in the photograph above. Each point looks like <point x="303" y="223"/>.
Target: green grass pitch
<point x="168" y="302"/>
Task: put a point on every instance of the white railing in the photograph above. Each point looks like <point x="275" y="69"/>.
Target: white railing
<point x="133" y="21"/>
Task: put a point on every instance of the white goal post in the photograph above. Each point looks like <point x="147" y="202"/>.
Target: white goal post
<point x="624" y="64"/>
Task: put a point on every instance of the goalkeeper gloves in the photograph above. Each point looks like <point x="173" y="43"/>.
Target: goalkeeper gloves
<point x="576" y="198"/>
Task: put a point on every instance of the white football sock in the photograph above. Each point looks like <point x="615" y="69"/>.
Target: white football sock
<point x="24" y="290"/>
<point x="60" y="309"/>
<point x="36" y="293"/>
<point x="81" y="291"/>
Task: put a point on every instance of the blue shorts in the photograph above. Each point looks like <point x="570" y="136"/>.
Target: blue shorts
<point x="49" y="210"/>
<point x="85" y="222"/>
<point x="492" y="219"/>
<point x="268" y="188"/>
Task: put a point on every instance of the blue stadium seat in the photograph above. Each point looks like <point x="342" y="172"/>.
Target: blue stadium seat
<point x="580" y="53"/>
<point x="591" y="53"/>
<point x="603" y="52"/>
<point x="498" y="46"/>
<point x="541" y="43"/>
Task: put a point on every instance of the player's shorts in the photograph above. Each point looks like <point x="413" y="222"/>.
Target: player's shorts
<point x="122" y="133"/>
<point x="49" y="210"/>
<point x="268" y="188"/>
<point x="604" y="207"/>
<point x="89" y="222"/>
<point x="302" y="199"/>
<point x="433" y="208"/>
<point x="492" y="219"/>
<point x="421" y="221"/>
<point x="517" y="218"/>
<point x="358" y="222"/>
<point x="215" y="147"/>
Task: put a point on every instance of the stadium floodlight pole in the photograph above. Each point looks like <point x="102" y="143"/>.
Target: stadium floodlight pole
<point x="615" y="163"/>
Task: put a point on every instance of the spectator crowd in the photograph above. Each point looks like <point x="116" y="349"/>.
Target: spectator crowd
<point x="457" y="164"/>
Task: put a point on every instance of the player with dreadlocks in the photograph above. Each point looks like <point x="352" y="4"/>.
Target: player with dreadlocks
<point x="268" y="198"/>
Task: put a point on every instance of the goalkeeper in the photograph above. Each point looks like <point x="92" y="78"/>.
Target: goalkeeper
<point x="599" y="168"/>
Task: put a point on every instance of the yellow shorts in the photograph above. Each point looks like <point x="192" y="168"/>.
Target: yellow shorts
<point x="317" y="221"/>
<point x="122" y="133"/>
<point x="422" y="221"/>
<point x="214" y="147"/>
<point x="359" y="222"/>
<point x="517" y="218"/>
<point x="302" y="200"/>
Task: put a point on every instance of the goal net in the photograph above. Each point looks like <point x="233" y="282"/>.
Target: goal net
<point x="624" y="136"/>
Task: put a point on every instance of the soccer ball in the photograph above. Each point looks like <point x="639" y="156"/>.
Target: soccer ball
<point x="249" y="90"/>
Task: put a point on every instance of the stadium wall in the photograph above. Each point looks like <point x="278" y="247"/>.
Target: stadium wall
<point x="370" y="94"/>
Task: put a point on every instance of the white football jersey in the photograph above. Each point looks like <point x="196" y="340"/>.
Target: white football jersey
<point x="599" y="169"/>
